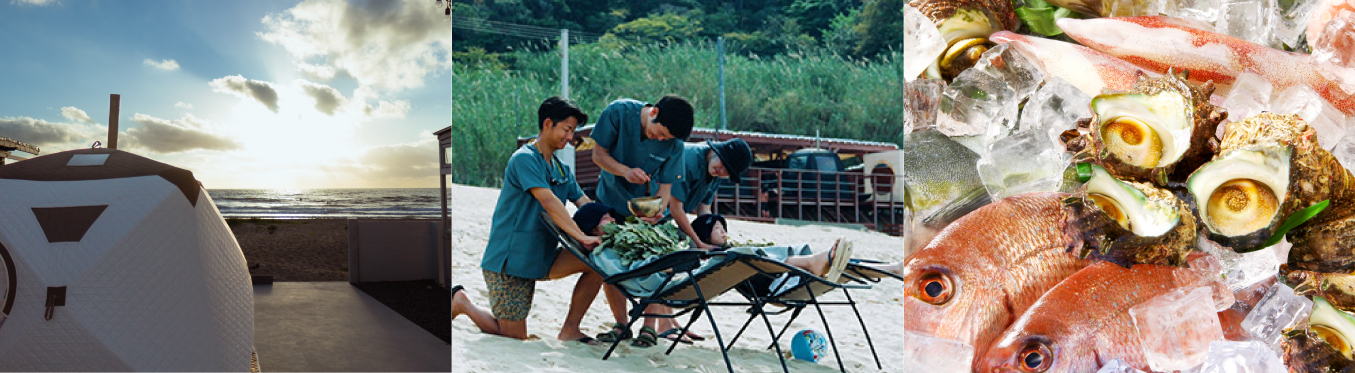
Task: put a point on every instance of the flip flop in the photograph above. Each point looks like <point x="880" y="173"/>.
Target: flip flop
<point x="673" y="335"/>
<point x="456" y="289"/>
<point x="838" y="259"/>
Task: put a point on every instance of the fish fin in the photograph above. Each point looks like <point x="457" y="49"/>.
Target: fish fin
<point x="965" y="204"/>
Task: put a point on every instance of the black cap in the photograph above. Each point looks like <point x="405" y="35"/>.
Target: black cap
<point x="590" y="215"/>
<point x="704" y="223"/>
<point x="736" y="156"/>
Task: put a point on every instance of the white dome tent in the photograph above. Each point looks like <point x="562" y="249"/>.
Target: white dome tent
<point x="153" y="279"/>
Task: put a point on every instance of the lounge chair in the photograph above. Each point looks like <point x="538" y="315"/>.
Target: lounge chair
<point x="804" y="289"/>
<point x="696" y="277"/>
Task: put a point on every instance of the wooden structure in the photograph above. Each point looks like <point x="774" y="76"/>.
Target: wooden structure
<point x="444" y="253"/>
<point x="748" y="201"/>
<point x="8" y="146"/>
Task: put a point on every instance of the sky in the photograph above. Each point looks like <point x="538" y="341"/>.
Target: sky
<point x="243" y="93"/>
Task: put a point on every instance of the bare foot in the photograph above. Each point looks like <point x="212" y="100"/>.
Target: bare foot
<point x="576" y="336"/>
<point x="459" y="302"/>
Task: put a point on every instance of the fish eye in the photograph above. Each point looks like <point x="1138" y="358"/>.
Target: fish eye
<point x="935" y="287"/>
<point x="1035" y="357"/>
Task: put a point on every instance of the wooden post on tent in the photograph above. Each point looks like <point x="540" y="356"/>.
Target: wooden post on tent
<point x="113" y="101"/>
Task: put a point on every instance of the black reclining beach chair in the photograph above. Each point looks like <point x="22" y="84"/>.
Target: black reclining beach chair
<point x="696" y="277"/>
<point x="804" y="289"/>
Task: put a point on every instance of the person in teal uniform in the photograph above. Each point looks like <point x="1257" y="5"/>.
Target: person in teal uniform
<point x="521" y="249"/>
<point x="640" y="146"/>
<point x="706" y="167"/>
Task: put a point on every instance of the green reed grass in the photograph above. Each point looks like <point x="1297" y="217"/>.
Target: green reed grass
<point x="788" y="94"/>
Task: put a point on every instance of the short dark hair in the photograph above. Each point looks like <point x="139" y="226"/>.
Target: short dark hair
<point x="706" y="223"/>
<point x="675" y="113"/>
<point x="557" y="109"/>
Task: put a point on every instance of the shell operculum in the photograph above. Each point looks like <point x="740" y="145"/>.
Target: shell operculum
<point x="1130" y="223"/>
<point x="1335" y="327"/>
<point x="1142" y="130"/>
<point x="1240" y="195"/>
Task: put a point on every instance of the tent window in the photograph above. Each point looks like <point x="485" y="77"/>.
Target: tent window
<point x="67" y="224"/>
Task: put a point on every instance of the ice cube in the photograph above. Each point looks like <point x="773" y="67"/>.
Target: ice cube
<point x="1345" y="151"/>
<point x="1242" y="270"/>
<point x="1019" y="70"/>
<point x="1203" y="10"/>
<point x="1334" y="51"/>
<point x="1020" y="163"/>
<point x="1244" y="19"/>
<point x="1320" y="114"/>
<point x="1207" y="270"/>
<point x="1118" y="366"/>
<point x="1277" y="311"/>
<point x="1290" y="23"/>
<point x="1055" y="108"/>
<point x="922" y="43"/>
<point x="1250" y="95"/>
<point x="922" y="102"/>
<point x="972" y="102"/>
<point x="1175" y="328"/>
<point x="1242" y="357"/>
<point x="924" y="353"/>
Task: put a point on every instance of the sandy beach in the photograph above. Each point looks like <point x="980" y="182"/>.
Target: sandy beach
<point x="473" y="351"/>
<point x="296" y="250"/>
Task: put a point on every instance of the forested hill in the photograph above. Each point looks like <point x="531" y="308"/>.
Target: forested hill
<point x="850" y="28"/>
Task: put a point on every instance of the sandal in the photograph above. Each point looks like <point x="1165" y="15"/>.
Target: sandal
<point x="838" y="259"/>
<point x="618" y="333"/>
<point x="675" y="334"/>
<point x="647" y="338"/>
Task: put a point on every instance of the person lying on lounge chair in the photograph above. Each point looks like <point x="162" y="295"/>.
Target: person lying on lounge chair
<point x="828" y="264"/>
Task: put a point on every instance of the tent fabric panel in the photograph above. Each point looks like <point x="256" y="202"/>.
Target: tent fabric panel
<point x="229" y="289"/>
<point x="120" y="164"/>
<point x="147" y="295"/>
<point x="128" y="200"/>
<point x="67" y="224"/>
<point x="30" y="343"/>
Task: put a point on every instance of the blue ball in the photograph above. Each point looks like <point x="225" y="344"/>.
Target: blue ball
<point x="808" y="345"/>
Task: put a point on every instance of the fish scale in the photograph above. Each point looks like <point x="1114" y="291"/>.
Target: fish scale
<point x="1001" y="258"/>
<point x="1086" y="317"/>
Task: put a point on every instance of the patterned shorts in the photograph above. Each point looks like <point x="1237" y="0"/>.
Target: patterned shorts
<point x="510" y="297"/>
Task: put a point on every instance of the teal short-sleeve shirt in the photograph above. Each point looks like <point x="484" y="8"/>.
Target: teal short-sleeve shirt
<point x="696" y="186"/>
<point x="618" y="130"/>
<point x="519" y="243"/>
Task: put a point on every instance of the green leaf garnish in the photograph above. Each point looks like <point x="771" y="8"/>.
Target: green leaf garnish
<point x="1084" y="172"/>
<point x="1040" y="16"/>
<point x="1295" y="220"/>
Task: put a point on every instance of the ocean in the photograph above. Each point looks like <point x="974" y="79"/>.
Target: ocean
<point x="328" y="203"/>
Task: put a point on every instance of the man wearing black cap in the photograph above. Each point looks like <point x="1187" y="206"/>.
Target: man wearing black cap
<point x="706" y="166"/>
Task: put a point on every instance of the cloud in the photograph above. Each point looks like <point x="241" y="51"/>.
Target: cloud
<point x="41" y="133"/>
<point x="173" y="136"/>
<point x="387" y="109"/>
<point x="327" y="99"/>
<point x="183" y="105"/>
<point x="71" y="113"/>
<point x="167" y="65"/>
<point x="398" y="164"/>
<point x="389" y="45"/>
<point x="34" y="2"/>
<point x="246" y="88"/>
<point x="317" y="72"/>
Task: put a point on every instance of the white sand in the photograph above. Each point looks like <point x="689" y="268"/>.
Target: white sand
<point x="473" y="351"/>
